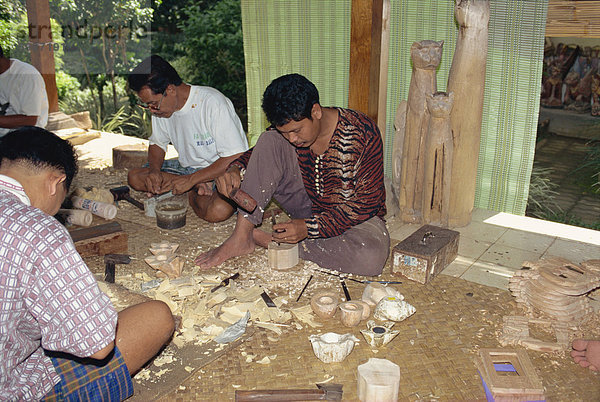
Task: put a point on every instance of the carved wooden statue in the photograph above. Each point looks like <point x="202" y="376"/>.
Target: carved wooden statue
<point x="398" y="146"/>
<point x="596" y="95"/>
<point x="438" y="160"/>
<point x="467" y="81"/>
<point x="426" y="56"/>
<point x="578" y="93"/>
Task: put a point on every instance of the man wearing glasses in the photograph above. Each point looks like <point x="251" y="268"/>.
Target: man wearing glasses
<point x="202" y="125"/>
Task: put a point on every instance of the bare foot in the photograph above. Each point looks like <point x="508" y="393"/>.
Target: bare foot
<point x="586" y="353"/>
<point x="261" y="237"/>
<point x="232" y="247"/>
<point x="239" y="243"/>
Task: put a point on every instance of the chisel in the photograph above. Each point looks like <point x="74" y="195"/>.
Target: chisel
<point x="225" y="282"/>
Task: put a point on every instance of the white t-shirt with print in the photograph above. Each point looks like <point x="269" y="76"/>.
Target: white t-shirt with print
<point x="205" y="129"/>
<point x="23" y="91"/>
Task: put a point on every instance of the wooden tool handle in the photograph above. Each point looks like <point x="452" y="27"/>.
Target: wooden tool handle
<point x="245" y="201"/>
<point x="280" y="395"/>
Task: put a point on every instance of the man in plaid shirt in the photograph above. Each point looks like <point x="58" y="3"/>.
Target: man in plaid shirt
<point x="60" y="336"/>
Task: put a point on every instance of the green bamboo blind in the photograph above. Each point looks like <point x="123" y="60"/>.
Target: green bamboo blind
<point x="312" y="37"/>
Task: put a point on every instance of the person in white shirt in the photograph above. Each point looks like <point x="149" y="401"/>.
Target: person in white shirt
<point x="23" y="98"/>
<point x="202" y="125"/>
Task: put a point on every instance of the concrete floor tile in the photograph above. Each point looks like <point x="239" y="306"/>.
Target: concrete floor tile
<point x="482" y="231"/>
<point x="458" y="267"/>
<point x="479" y="214"/>
<point x="573" y="251"/>
<point x="488" y="274"/>
<point x="472" y="248"/>
<point x="509" y="257"/>
<point x="400" y="231"/>
<point x="528" y="241"/>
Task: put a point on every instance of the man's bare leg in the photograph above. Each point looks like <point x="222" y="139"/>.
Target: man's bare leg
<point x="142" y="330"/>
<point x="261" y="238"/>
<point x="241" y="242"/>
<point x="586" y="353"/>
<point x="211" y="208"/>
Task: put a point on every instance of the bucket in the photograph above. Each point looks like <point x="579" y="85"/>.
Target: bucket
<point x="171" y="212"/>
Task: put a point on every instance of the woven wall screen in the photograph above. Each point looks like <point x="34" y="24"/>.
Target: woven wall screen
<point x="312" y="37"/>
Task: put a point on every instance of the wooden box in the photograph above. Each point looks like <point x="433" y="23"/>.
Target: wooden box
<point x="425" y="253"/>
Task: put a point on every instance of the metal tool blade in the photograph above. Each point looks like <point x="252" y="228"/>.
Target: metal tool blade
<point x="225" y="282"/>
<point x="304" y="288"/>
<point x="268" y="301"/>
<point x="345" y="289"/>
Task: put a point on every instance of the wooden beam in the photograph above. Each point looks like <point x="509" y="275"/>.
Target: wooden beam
<point x="42" y="48"/>
<point x="365" y="56"/>
<point x="573" y="19"/>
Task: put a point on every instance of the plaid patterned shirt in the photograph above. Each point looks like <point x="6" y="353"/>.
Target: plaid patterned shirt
<point x="48" y="298"/>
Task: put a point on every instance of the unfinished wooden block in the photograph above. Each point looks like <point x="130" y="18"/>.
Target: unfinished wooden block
<point x="102" y="239"/>
<point x="515" y="331"/>
<point x="164" y="247"/>
<point x="523" y="385"/>
<point x="425" y="253"/>
<point x="282" y="256"/>
<point x="171" y="265"/>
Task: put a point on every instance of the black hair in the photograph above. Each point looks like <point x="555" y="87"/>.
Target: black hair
<point x="1" y="52"/>
<point x="289" y="97"/>
<point x="40" y="148"/>
<point x="154" y="72"/>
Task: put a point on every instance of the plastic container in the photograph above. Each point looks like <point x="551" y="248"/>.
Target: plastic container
<point x="378" y="381"/>
<point x="76" y="216"/>
<point x="171" y="212"/>
<point x="102" y="209"/>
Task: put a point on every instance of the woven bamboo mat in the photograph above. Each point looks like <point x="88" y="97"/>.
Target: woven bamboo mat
<point x="435" y="351"/>
<point x="435" y="348"/>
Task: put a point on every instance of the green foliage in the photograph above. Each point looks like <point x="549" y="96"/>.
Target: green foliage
<point x="215" y="51"/>
<point x="65" y="84"/>
<point x="592" y="165"/>
<point x="570" y="219"/>
<point x="139" y="123"/>
<point x="540" y="202"/>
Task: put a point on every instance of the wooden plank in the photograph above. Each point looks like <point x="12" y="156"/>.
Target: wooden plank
<point x="365" y="56"/>
<point x="113" y="243"/>
<point x="94" y="231"/>
<point x="573" y="19"/>
<point x="103" y="239"/>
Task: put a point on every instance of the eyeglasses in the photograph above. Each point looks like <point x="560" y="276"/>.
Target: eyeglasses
<point x="151" y="104"/>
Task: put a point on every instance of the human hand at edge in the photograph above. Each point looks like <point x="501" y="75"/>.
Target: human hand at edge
<point x="293" y="231"/>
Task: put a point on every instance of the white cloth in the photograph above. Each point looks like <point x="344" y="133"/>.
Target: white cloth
<point x="23" y="91"/>
<point x="205" y="129"/>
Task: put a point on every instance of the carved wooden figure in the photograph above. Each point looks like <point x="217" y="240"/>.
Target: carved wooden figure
<point x="426" y="56"/>
<point x="438" y="160"/>
<point x="398" y="146"/>
<point x="467" y="80"/>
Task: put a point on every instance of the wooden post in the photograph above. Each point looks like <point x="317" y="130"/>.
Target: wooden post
<point x="366" y="73"/>
<point x="467" y="80"/>
<point x="42" y="48"/>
